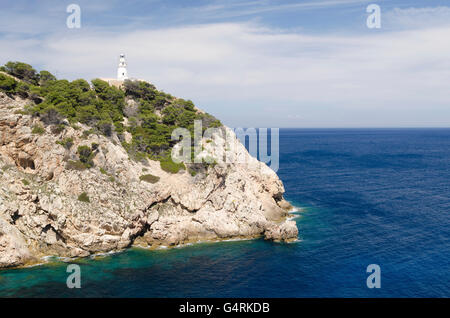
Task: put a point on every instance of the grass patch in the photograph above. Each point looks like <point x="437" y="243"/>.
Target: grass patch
<point x="76" y="165"/>
<point x="149" y="178"/>
<point x="38" y="130"/>
<point x="103" y="171"/>
<point x="168" y="165"/>
<point x="83" y="197"/>
<point x="25" y="182"/>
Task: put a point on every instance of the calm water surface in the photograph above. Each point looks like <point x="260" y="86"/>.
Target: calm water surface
<point x="367" y="197"/>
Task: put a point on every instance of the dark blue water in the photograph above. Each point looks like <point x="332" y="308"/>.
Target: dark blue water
<point x="368" y="197"/>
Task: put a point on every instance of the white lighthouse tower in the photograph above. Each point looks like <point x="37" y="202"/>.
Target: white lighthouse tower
<point x="122" y="69"/>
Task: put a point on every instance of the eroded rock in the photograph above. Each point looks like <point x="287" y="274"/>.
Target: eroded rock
<point x="40" y="213"/>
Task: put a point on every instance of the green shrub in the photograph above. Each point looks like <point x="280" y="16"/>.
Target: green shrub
<point x="66" y="143"/>
<point x="140" y="89"/>
<point x="51" y="116"/>
<point x="86" y="155"/>
<point x="103" y="171"/>
<point x="94" y="146"/>
<point x="149" y="178"/>
<point x="25" y="182"/>
<point x="45" y="76"/>
<point x="192" y="172"/>
<point x="86" y="133"/>
<point x="83" y="197"/>
<point x="57" y="129"/>
<point x="37" y="129"/>
<point x="102" y="108"/>
<point x="76" y="165"/>
<point x="168" y="165"/>
<point x="23" y="90"/>
<point x="22" y="71"/>
<point x="7" y="84"/>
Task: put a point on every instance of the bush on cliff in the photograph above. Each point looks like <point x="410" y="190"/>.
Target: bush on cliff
<point x="75" y="165"/>
<point x="22" y="71"/>
<point x="86" y="155"/>
<point x="101" y="107"/>
<point x="37" y="129"/>
<point x="66" y="143"/>
<point x="149" y="178"/>
<point x="45" y="77"/>
<point x="7" y="84"/>
<point x="168" y="165"/>
<point x="84" y="197"/>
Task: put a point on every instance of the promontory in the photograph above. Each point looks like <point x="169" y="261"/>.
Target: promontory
<point x="85" y="168"/>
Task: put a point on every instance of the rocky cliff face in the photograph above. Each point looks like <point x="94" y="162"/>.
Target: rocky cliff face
<point x="41" y="212"/>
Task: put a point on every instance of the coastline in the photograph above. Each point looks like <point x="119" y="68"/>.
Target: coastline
<point x="293" y="213"/>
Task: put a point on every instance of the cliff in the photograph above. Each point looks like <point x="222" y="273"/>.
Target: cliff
<point x="49" y="205"/>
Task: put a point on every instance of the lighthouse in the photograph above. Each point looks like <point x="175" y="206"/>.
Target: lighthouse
<point x="122" y="69"/>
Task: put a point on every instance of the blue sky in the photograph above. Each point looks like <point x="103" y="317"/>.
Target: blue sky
<point x="311" y="63"/>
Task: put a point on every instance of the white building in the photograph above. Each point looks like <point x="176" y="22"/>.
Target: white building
<point x="122" y="73"/>
<point x="122" y="69"/>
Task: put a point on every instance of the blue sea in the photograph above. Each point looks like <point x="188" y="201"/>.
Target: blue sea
<point x="366" y="196"/>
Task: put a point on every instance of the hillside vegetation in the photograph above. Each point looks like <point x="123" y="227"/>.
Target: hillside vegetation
<point x="148" y="114"/>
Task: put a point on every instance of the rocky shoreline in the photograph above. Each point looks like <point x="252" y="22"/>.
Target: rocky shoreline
<point x="41" y="212"/>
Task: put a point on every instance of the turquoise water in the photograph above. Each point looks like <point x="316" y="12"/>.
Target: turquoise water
<point x="367" y="197"/>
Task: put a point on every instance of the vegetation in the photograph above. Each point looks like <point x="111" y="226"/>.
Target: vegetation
<point x="168" y="165"/>
<point x="83" y="197"/>
<point x="25" y="182"/>
<point x="38" y="130"/>
<point x="7" y="84"/>
<point x="86" y="154"/>
<point x="76" y="165"/>
<point x="22" y="71"/>
<point x="104" y="108"/>
<point x="149" y="178"/>
<point x="66" y="143"/>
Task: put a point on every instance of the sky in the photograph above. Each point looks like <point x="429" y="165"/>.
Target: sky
<point x="269" y="63"/>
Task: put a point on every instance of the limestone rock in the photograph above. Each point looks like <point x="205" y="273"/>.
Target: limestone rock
<point x="40" y="213"/>
<point x="13" y="248"/>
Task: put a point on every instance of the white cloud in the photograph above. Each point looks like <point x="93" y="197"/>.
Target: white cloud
<point x="417" y="17"/>
<point x="231" y="9"/>
<point x="238" y="70"/>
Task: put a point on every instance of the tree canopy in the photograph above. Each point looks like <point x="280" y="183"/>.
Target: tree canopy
<point x="101" y="106"/>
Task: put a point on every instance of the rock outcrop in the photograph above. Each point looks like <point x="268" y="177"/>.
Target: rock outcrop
<point x="41" y="212"/>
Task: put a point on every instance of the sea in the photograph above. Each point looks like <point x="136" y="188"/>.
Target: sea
<point x="362" y="197"/>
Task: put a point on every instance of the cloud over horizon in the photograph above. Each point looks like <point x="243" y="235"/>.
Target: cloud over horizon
<point x="250" y="73"/>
